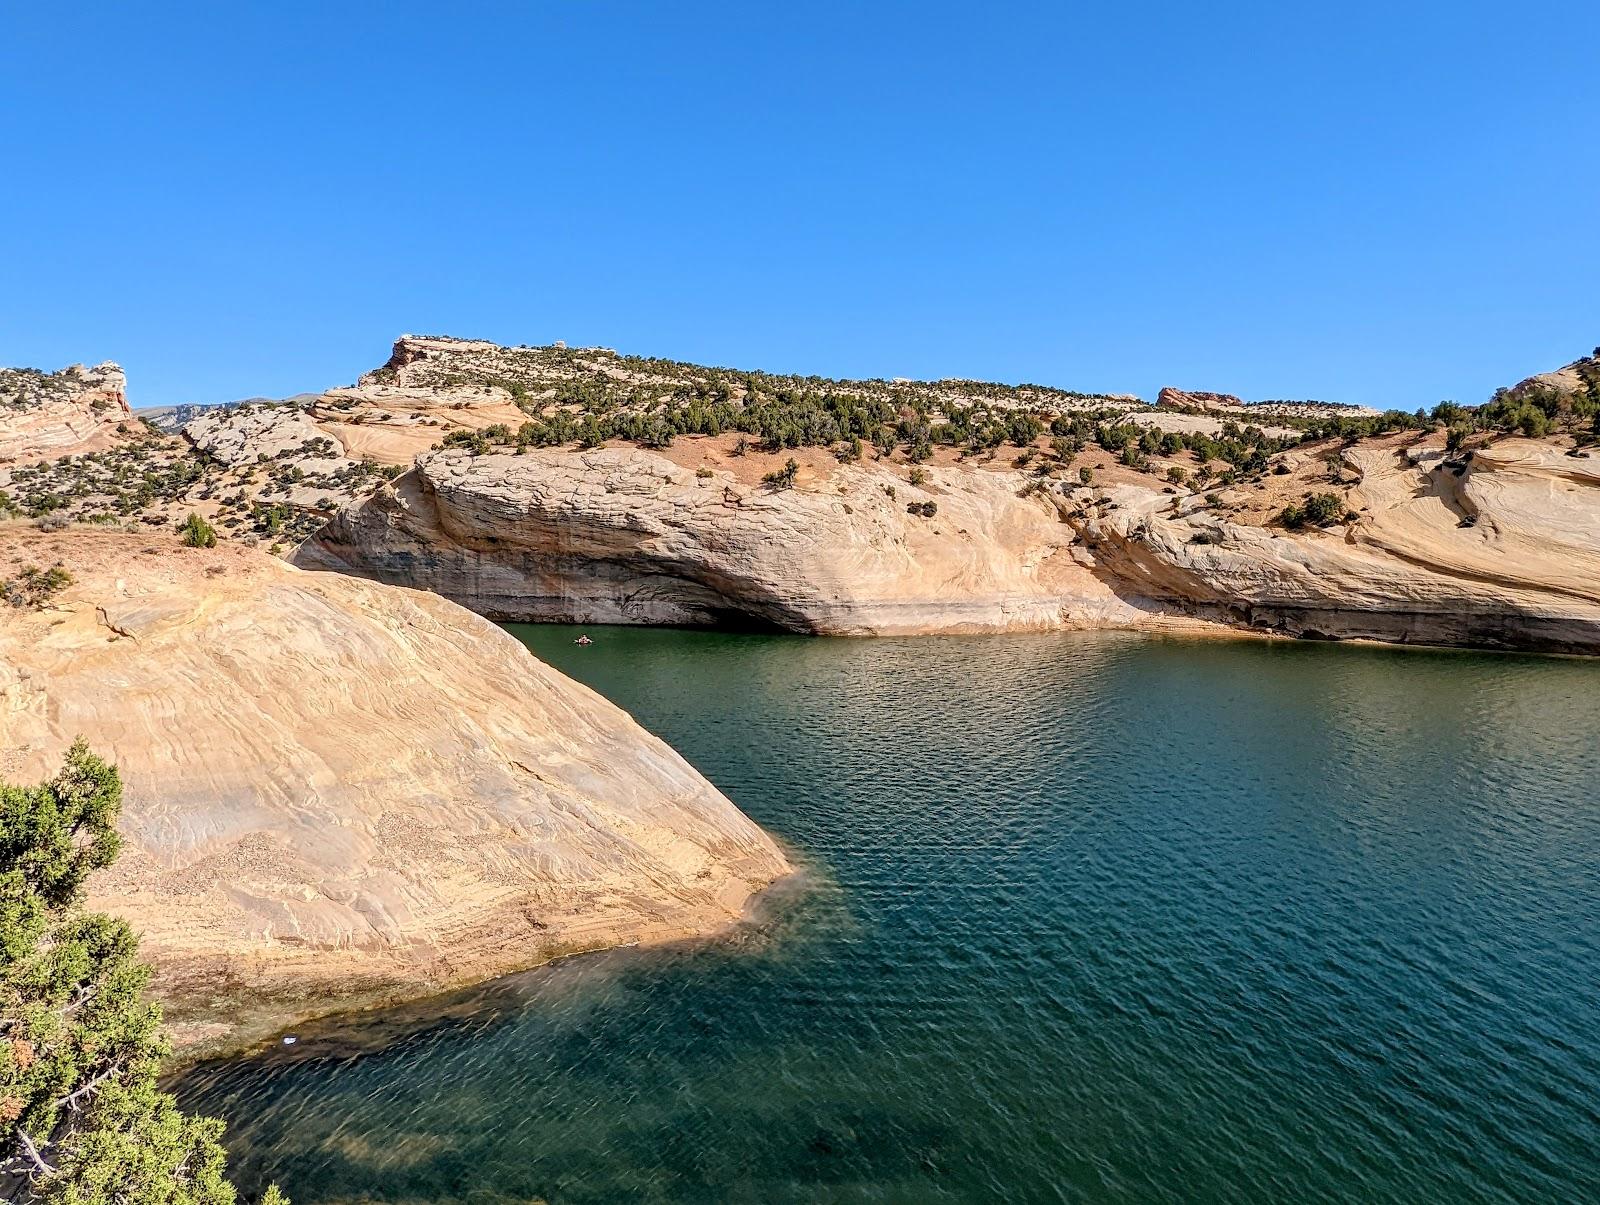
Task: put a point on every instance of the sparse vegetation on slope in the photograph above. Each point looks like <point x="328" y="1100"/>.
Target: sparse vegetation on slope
<point x="34" y="587"/>
<point x="591" y="396"/>
<point x="1566" y="401"/>
<point x="149" y="477"/>
<point x="24" y="388"/>
<point x="1318" y="510"/>
<point x="276" y="472"/>
<point x="195" y="532"/>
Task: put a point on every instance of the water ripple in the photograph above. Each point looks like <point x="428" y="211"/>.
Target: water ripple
<point x="1087" y="918"/>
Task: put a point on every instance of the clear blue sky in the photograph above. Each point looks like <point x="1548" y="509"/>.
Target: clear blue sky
<point x="1384" y="202"/>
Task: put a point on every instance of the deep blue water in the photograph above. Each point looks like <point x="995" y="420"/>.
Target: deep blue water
<point x="1086" y="918"/>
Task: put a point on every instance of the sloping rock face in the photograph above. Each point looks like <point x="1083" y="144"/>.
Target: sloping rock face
<point x="408" y="349"/>
<point x="1500" y="549"/>
<point x="44" y="415"/>
<point x="381" y="424"/>
<point x="340" y="792"/>
<point x="1566" y="385"/>
<point x="628" y="536"/>
<point x="244" y="434"/>
<point x="572" y="377"/>
<point x="1488" y="550"/>
<point x="395" y="425"/>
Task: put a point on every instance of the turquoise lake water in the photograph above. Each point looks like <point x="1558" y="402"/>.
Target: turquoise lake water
<point x="1086" y="917"/>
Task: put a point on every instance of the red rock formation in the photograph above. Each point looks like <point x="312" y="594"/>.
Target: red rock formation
<point x="1180" y="399"/>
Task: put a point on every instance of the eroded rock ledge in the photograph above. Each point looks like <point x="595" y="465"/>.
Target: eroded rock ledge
<point x="1498" y="549"/>
<point x="622" y="535"/>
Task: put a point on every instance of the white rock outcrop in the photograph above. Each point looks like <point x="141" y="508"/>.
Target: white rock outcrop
<point x="1501" y="549"/>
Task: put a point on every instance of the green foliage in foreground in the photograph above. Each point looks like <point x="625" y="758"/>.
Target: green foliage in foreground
<point x="81" y="1119"/>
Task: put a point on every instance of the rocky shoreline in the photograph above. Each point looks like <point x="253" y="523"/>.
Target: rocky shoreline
<point x="628" y="536"/>
<point x="547" y="484"/>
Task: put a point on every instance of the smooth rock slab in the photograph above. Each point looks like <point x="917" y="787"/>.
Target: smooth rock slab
<point x="341" y="792"/>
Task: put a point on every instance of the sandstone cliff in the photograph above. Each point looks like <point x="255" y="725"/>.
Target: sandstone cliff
<point x="1197" y="399"/>
<point x="1226" y="405"/>
<point x="338" y="791"/>
<point x="1497" y="548"/>
<point x="1578" y="381"/>
<point x="617" y="535"/>
<point x="43" y="415"/>
<point x="577" y="377"/>
<point x="1486" y="548"/>
<point x="548" y="483"/>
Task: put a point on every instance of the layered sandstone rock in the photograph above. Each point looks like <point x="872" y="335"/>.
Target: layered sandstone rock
<point x="1498" y="549"/>
<point x="988" y="539"/>
<point x="394" y="425"/>
<point x="44" y="415"/>
<point x="338" y="791"/>
<point x="380" y="424"/>
<point x="1564" y="386"/>
<point x="558" y="376"/>
<point x="616" y="535"/>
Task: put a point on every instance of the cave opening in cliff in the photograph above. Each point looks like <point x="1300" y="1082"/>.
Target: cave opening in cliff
<point x="743" y="622"/>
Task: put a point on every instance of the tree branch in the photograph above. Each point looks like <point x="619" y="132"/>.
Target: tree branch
<point x="70" y="1101"/>
<point x="83" y="995"/>
<point x="33" y="1154"/>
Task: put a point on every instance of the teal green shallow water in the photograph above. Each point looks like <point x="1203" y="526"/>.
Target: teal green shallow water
<point x="1088" y="918"/>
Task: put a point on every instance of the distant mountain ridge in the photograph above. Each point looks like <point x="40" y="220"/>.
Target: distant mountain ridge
<point x="171" y="418"/>
<point x="1199" y="402"/>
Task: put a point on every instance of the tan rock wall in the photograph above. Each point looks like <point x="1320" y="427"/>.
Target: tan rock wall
<point x="627" y="536"/>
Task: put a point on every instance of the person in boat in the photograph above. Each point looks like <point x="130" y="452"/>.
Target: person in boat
<point x="583" y="639"/>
